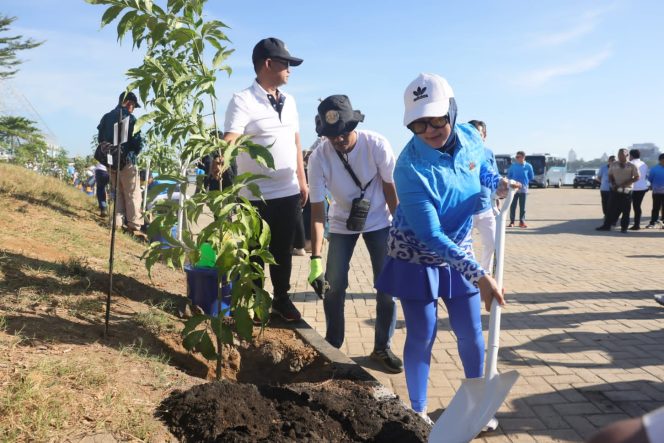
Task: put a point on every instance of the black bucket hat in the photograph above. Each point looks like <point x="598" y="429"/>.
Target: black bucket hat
<point x="336" y="116"/>
<point x="273" y="48"/>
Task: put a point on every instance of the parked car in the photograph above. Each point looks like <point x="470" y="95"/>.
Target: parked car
<point x="586" y="177"/>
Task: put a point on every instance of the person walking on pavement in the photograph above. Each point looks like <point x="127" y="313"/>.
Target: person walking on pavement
<point x="640" y="187"/>
<point x="604" y="185"/>
<point x="484" y="218"/>
<point x="355" y="167"/>
<point x="522" y="172"/>
<point x="656" y="179"/>
<point x="438" y="177"/>
<point x="128" y="197"/>
<point x="622" y="176"/>
<point x="269" y="116"/>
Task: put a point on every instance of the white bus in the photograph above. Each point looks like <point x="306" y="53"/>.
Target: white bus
<point x="548" y="169"/>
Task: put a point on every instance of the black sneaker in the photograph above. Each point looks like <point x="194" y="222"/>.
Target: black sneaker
<point x="635" y="228"/>
<point x="603" y="228"/>
<point x="284" y="307"/>
<point x="650" y="225"/>
<point x="388" y="360"/>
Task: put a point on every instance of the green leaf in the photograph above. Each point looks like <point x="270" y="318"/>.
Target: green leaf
<point x="206" y="348"/>
<point x="191" y="340"/>
<point x="110" y="14"/>
<point x="124" y="23"/>
<point x="243" y="322"/>
<point x="193" y="323"/>
<point x="222" y="330"/>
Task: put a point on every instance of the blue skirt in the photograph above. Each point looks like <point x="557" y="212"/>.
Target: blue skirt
<point x="412" y="281"/>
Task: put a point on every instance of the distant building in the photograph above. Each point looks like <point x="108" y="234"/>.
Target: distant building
<point x="604" y="158"/>
<point x="649" y="151"/>
<point x="571" y="157"/>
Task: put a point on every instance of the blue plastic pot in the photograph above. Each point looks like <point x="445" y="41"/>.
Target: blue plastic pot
<point x="202" y="284"/>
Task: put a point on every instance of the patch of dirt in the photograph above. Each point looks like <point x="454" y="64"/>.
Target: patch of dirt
<point x="333" y="411"/>
<point x="63" y="379"/>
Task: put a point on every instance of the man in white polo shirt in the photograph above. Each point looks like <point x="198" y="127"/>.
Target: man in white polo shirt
<point x="270" y="117"/>
<point x="355" y="167"/>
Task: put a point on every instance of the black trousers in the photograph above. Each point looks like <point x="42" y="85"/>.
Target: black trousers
<point x="657" y="206"/>
<point x="281" y="214"/>
<point x="299" y="239"/>
<point x="606" y="195"/>
<point x="619" y="204"/>
<point x="637" y="199"/>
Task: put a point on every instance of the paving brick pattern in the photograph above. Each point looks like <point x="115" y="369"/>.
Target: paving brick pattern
<point x="581" y="326"/>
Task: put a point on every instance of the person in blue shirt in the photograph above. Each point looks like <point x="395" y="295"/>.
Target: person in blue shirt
<point x="128" y="198"/>
<point x="604" y="184"/>
<point x="438" y="178"/>
<point x="521" y="171"/>
<point x="656" y="179"/>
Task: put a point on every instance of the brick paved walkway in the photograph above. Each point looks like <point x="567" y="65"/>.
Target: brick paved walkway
<point x="581" y="326"/>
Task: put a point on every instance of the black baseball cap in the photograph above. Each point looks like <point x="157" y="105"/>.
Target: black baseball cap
<point x="336" y="116"/>
<point x="124" y="96"/>
<point x="273" y="48"/>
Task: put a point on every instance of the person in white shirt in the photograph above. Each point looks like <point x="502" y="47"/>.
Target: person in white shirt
<point x="640" y="187"/>
<point x="355" y="167"/>
<point x="484" y="218"/>
<point x="270" y="117"/>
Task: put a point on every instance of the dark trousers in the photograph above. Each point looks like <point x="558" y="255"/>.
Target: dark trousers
<point x="306" y="218"/>
<point x="606" y="195"/>
<point x="520" y="198"/>
<point x="657" y="206"/>
<point x="102" y="179"/>
<point x="637" y="199"/>
<point x="619" y="204"/>
<point x="281" y="215"/>
<point x="299" y="238"/>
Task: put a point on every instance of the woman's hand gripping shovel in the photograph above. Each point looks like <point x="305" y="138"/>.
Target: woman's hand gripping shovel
<point x="478" y="399"/>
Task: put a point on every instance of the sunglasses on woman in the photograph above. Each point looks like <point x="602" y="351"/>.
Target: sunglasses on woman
<point x="420" y="126"/>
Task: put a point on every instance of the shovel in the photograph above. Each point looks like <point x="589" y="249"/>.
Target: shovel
<point x="478" y="399"/>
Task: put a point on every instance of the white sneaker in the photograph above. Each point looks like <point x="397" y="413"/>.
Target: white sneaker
<point x="659" y="298"/>
<point x="299" y="251"/>
<point x="491" y="426"/>
<point x="424" y="416"/>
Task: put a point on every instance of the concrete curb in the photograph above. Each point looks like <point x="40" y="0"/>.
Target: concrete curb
<point x="343" y="366"/>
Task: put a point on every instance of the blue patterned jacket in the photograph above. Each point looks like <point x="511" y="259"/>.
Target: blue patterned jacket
<point x="438" y="194"/>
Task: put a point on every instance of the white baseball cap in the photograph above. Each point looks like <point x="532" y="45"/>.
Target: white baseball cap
<point x="426" y="96"/>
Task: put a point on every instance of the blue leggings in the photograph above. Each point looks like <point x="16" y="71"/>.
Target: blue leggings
<point x="421" y="326"/>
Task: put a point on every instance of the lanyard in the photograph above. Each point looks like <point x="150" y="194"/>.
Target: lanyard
<point x="352" y="174"/>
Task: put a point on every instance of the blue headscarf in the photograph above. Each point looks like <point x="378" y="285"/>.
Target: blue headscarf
<point x="451" y="142"/>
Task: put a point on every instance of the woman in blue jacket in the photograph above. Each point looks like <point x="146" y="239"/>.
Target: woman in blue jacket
<point x="438" y="177"/>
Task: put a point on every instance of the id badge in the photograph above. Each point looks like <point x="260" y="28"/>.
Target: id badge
<point x="109" y="159"/>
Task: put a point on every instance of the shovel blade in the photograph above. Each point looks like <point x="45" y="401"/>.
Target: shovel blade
<point x="474" y="404"/>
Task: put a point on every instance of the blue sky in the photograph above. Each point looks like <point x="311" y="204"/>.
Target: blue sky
<point x="546" y="76"/>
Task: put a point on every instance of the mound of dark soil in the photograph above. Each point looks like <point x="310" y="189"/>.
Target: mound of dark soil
<point x="332" y="411"/>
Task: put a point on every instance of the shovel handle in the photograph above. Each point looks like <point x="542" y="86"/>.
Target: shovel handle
<point x="494" y="319"/>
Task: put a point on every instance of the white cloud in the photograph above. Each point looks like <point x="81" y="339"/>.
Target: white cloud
<point x="585" y="23"/>
<point x="539" y="77"/>
<point x="558" y="38"/>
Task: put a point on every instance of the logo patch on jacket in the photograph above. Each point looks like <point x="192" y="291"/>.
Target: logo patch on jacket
<point x="471" y="165"/>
